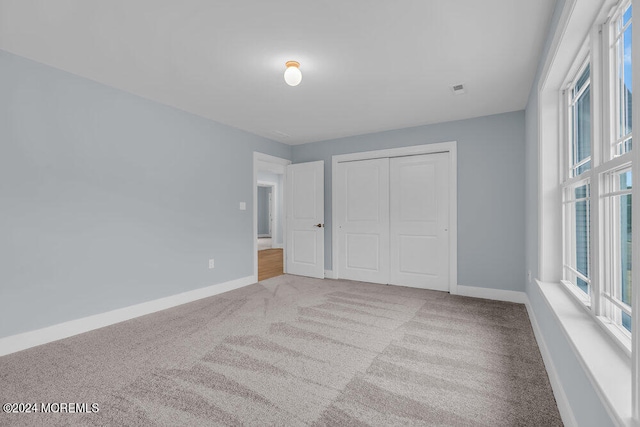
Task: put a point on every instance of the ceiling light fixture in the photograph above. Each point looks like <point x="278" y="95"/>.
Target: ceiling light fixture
<point x="292" y="74"/>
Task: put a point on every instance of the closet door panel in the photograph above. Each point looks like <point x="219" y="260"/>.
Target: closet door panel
<point x="363" y="220"/>
<point x="419" y="212"/>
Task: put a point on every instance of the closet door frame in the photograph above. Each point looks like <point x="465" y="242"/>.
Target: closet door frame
<point x="441" y="147"/>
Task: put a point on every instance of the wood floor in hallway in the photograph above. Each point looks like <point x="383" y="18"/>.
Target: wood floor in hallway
<point x="270" y="263"/>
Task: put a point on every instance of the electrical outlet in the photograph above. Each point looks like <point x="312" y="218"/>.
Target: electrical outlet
<point x="211" y="263"/>
<point x="243" y="206"/>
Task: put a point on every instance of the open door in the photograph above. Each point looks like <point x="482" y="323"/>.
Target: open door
<point x="305" y="219"/>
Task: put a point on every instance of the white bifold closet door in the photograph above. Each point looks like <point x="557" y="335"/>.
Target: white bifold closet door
<point x="363" y="220"/>
<point x="419" y="225"/>
<point x="392" y="220"/>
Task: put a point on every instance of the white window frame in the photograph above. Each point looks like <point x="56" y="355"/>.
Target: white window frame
<point x="604" y="161"/>
<point x="604" y="360"/>
<point x="569" y="241"/>
<point x="571" y="151"/>
<point x="611" y="304"/>
<point x="610" y="38"/>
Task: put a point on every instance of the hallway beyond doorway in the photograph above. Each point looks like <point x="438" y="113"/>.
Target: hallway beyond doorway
<point x="264" y="243"/>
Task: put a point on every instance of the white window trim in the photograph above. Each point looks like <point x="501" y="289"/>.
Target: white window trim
<point x="605" y="163"/>
<point x="611" y="382"/>
<point x="570" y="186"/>
<point x="611" y="140"/>
<point x="571" y="168"/>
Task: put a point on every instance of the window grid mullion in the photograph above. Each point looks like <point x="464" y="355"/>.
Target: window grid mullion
<point x="598" y="93"/>
<point x="577" y="273"/>
<point x="583" y="89"/>
<point x="619" y="303"/>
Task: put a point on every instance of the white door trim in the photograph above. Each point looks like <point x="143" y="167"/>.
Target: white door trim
<point x="266" y="163"/>
<point x="451" y="148"/>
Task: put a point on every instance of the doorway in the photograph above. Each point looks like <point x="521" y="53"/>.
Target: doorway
<point x="265" y="211"/>
<point x="269" y="224"/>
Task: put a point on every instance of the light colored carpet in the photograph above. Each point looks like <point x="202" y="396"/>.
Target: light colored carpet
<point x="297" y="351"/>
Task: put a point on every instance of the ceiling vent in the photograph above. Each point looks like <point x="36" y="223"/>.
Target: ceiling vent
<point x="281" y="134"/>
<point x="458" y="89"/>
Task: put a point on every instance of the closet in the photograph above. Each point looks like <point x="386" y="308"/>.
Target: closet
<point x="392" y="220"/>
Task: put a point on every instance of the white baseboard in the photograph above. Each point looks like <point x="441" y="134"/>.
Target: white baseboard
<point x="29" y="339"/>
<point x="328" y="274"/>
<point x="490" y="293"/>
<point x="568" y="418"/>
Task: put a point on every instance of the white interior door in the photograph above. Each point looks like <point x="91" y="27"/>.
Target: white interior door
<point x="419" y="216"/>
<point x="362" y="220"/>
<point x="305" y="219"/>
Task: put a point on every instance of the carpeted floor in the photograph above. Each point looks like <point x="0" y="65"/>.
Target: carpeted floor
<point x="296" y="351"/>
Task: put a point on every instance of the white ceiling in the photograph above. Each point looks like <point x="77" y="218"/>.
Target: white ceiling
<point x="368" y="65"/>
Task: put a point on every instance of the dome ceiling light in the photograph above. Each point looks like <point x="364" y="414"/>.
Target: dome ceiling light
<point x="292" y="75"/>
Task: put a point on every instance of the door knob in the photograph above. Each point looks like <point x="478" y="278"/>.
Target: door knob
<point x="319" y="225"/>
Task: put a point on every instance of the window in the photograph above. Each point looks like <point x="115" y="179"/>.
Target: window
<point x="577" y="194"/>
<point x="586" y="213"/>
<point x="622" y="79"/>
<point x="598" y="180"/>
<point x="617" y="209"/>
<point x="577" y="253"/>
<point x="580" y="122"/>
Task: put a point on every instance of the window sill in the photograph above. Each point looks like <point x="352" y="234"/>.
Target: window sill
<point x="573" y="290"/>
<point x="616" y="334"/>
<point x="613" y="331"/>
<point x="606" y="364"/>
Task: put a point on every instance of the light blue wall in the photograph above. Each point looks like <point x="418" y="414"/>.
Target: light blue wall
<point x="582" y="397"/>
<point x="586" y="406"/>
<point x="108" y="199"/>
<point x="491" y="246"/>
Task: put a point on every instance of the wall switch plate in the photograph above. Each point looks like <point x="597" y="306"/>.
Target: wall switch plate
<point x="243" y="206"/>
<point x="211" y="263"/>
<point x="529" y="276"/>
